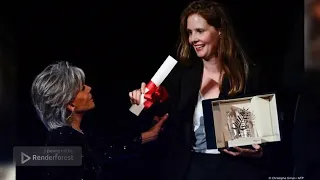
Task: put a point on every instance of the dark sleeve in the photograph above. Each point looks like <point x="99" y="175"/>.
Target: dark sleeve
<point x="65" y="172"/>
<point x="294" y="59"/>
<point x="99" y="150"/>
<point x="172" y="83"/>
<point x="115" y="147"/>
<point x="256" y="82"/>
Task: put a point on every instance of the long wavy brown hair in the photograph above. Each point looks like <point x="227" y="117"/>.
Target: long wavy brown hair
<point x="234" y="60"/>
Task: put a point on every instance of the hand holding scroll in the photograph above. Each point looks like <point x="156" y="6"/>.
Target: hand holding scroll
<point x="158" y="94"/>
<point x="256" y="152"/>
<point x="154" y="92"/>
<point x="135" y="95"/>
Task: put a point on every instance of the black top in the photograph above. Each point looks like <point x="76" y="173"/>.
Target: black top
<point x="183" y="85"/>
<point x="96" y="153"/>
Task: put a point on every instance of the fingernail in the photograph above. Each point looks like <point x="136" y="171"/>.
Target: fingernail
<point x="167" y="115"/>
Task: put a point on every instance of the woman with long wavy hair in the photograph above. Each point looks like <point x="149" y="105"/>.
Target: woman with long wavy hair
<point x="212" y="65"/>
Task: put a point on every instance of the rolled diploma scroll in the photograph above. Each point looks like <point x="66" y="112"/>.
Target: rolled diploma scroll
<point x="157" y="79"/>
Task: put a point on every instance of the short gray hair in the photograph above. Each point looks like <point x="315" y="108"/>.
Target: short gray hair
<point x="53" y="89"/>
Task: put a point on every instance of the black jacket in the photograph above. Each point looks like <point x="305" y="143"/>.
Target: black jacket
<point x="183" y="85"/>
<point x="97" y="154"/>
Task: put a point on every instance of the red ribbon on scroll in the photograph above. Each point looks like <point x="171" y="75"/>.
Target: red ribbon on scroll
<point x="155" y="94"/>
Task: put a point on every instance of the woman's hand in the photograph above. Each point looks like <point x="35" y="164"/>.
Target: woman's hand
<point x="153" y="133"/>
<point x="256" y="152"/>
<point x="135" y="95"/>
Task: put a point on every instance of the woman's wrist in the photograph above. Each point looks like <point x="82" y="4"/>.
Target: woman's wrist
<point x="147" y="137"/>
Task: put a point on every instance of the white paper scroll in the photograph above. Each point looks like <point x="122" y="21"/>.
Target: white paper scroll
<point x="157" y="79"/>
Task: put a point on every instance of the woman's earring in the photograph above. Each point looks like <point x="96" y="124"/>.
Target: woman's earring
<point x="72" y="110"/>
<point x="68" y="120"/>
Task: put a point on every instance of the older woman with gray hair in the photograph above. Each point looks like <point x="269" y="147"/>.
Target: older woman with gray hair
<point x="61" y="98"/>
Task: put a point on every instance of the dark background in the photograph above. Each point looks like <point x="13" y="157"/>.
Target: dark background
<point x="121" y="43"/>
<point x="8" y="83"/>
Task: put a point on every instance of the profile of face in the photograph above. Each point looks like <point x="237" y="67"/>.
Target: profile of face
<point x="203" y="37"/>
<point x="83" y="101"/>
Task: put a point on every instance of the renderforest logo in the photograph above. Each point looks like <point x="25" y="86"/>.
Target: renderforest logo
<point x="47" y="156"/>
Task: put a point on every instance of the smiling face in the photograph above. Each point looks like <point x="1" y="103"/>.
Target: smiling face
<point x="83" y="100"/>
<point x="203" y="37"/>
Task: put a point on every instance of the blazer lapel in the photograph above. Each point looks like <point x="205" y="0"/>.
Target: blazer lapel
<point x="190" y="85"/>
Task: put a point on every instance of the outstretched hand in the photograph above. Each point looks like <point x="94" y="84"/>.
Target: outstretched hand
<point x="256" y="152"/>
<point x="153" y="133"/>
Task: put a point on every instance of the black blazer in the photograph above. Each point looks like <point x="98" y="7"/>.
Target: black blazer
<point x="183" y="85"/>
